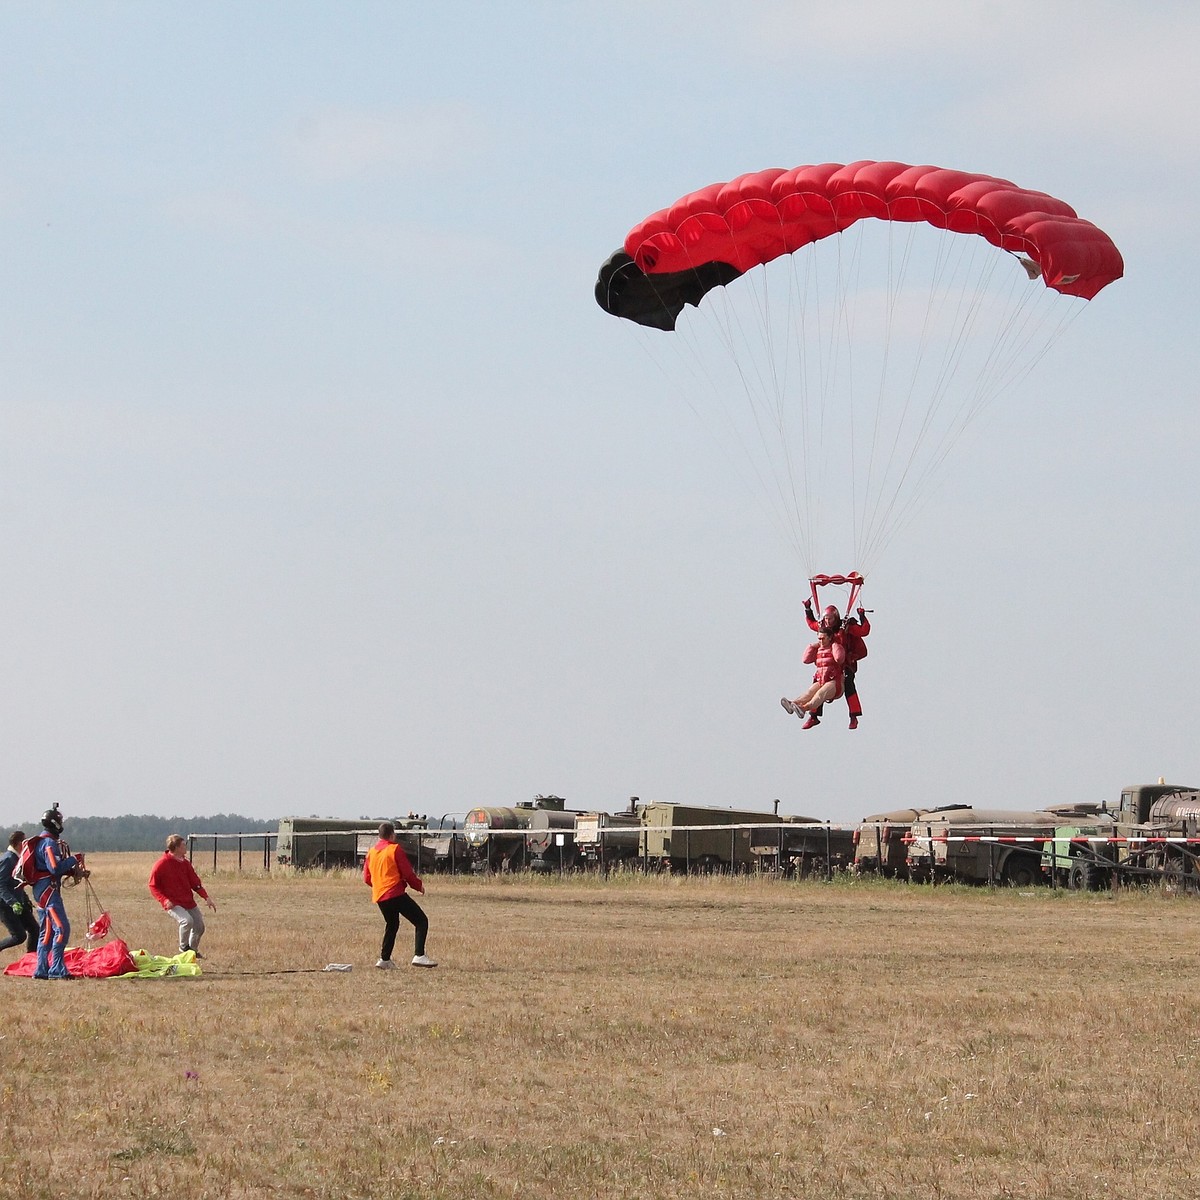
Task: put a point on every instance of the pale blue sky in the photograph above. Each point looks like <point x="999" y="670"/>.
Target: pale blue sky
<point x="325" y="487"/>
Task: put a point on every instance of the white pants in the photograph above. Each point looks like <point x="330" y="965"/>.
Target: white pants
<point x="191" y="926"/>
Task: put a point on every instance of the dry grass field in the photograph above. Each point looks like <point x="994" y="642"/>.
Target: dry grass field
<point x="635" y="1038"/>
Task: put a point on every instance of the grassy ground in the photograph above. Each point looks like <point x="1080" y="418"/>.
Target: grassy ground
<point x="635" y="1038"/>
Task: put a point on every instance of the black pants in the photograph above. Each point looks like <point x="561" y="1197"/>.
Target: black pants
<point x="21" y="928"/>
<point x="395" y="908"/>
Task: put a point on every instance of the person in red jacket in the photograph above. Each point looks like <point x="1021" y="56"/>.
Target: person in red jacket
<point x="850" y="634"/>
<point x="853" y="633"/>
<point x="388" y="872"/>
<point x="829" y="656"/>
<point x="172" y="881"/>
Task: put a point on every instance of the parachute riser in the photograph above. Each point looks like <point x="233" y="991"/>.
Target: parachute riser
<point x="854" y="581"/>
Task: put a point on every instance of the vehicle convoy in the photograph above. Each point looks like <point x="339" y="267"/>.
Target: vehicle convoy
<point x="1153" y="835"/>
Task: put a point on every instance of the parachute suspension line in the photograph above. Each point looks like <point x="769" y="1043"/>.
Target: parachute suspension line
<point x="804" y="295"/>
<point x="848" y="280"/>
<point x="1034" y="311"/>
<point x="780" y="345"/>
<point x="808" y="297"/>
<point x="722" y="321"/>
<point x="944" y="281"/>
<point x="98" y="922"/>
<point x="893" y="290"/>
<point x="764" y="394"/>
<point x="950" y="291"/>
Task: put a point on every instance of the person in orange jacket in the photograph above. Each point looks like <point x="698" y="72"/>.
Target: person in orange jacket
<point x="388" y="873"/>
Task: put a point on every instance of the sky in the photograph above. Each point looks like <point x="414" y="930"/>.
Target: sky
<point x="327" y="489"/>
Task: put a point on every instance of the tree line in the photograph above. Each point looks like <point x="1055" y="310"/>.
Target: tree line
<point x="146" y="832"/>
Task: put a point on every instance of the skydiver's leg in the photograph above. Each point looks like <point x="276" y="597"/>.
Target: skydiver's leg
<point x="60" y="933"/>
<point x="14" y="925"/>
<point x="45" y="931"/>
<point x="852" y="701"/>
<point x="817" y="701"/>
<point x="31" y="928"/>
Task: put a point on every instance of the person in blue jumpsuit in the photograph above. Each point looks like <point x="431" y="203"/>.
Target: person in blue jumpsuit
<point x="45" y="864"/>
<point x="16" y="908"/>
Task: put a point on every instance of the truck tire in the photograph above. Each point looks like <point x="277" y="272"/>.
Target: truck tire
<point x="1022" y="870"/>
<point x="1082" y="876"/>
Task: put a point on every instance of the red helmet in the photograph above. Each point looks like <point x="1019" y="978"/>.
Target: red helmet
<point x="831" y="619"/>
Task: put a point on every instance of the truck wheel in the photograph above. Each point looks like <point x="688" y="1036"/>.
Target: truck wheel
<point x="1082" y="877"/>
<point x="1022" y="870"/>
<point x="1177" y="878"/>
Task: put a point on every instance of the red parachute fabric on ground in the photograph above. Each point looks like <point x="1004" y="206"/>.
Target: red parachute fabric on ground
<point x="113" y="958"/>
<point x="757" y="217"/>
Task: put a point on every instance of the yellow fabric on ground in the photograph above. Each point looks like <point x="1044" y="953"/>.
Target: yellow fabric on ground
<point x="159" y="966"/>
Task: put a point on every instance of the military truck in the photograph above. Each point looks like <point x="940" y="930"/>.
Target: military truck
<point x="980" y="845"/>
<point x="881" y="841"/>
<point x="328" y="842"/>
<point x="606" y="840"/>
<point x="1151" y="836"/>
<point x="798" y="847"/>
<point x="688" y="837"/>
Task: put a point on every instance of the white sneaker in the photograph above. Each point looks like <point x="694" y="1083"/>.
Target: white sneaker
<point x="423" y="960"/>
<point x="386" y="964"/>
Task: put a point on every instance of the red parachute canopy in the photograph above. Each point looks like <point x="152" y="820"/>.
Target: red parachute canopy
<point x="105" y="962"/>
<point x="842" y="370"/>
<point x="725" y="229"/>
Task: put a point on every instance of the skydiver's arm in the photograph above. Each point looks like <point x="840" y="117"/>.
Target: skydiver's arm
<point x="809" y="617"/>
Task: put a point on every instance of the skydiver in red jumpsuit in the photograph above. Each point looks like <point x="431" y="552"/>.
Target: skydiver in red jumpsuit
<point x="829" y="655"/>
<point x="850" y="634"/>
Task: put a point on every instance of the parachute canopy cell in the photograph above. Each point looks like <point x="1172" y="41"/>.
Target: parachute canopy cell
<point x="710" y="237"/>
